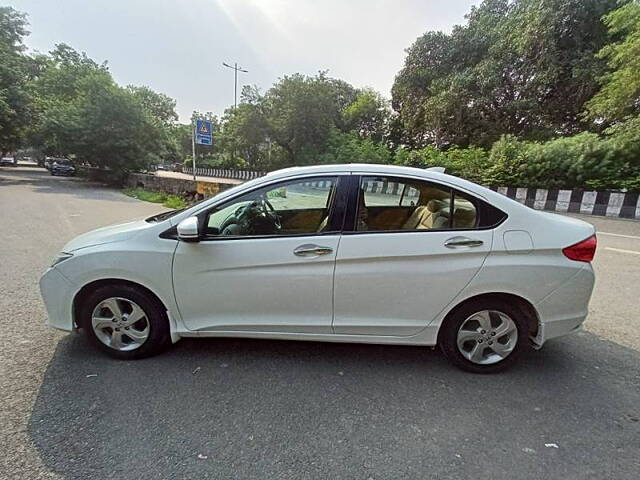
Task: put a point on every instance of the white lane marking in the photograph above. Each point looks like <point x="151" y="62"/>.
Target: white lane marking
<point x="617" y="235"/>
<point x="621" y="250"/>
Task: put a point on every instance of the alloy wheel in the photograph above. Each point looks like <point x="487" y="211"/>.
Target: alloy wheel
<point x="487" y="337"/>
<point x="120" y="324"/>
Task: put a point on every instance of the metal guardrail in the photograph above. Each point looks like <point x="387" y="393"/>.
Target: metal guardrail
<point x="224" y="173"/>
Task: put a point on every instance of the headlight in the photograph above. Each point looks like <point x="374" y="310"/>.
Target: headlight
<point x="62" y="256"/>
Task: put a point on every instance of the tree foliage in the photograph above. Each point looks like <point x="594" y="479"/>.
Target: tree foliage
<point x="620" y="93"/>
<point x="302" y="120"/>
<point x="15" y="110"/>
<point x="84" y="114"/>
<point x="522" y="67"/>
<point x="539" y="93"/>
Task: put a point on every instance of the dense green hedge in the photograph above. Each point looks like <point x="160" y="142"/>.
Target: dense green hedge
<point x="586" y="160"/>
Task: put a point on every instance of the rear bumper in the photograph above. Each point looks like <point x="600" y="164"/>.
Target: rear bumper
<point x="564" y="311"/>
<point x="57" y="293"/>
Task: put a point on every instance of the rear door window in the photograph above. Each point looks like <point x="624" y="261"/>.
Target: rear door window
<point x="404" y="204"/>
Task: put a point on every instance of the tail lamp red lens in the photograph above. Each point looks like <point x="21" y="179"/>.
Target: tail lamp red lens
<point x="583" y="251"/>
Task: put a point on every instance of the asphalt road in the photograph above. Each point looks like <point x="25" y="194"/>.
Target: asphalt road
<point x="266" y="409"/>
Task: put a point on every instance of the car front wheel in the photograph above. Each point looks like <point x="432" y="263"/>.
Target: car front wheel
<point x="484" y="337"/>
<point x="125" y="322"/>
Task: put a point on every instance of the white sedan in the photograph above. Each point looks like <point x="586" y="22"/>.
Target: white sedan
<point x="339" y="253"/>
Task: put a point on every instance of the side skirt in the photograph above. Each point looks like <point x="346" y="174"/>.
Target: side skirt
<point x="427" y="337"/>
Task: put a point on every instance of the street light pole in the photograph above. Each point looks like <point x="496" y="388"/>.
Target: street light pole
<point x="235" y="69"/>
<point x="194" y="122"/>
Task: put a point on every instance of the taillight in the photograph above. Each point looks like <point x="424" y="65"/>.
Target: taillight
<point x="583" y="251"/>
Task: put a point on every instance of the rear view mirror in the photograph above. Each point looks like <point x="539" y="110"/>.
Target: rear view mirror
<point x="188" y="230"/>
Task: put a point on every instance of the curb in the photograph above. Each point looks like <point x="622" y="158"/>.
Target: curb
<point x="586" y="202"/>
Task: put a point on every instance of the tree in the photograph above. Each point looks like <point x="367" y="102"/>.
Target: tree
<point x="522" y="67"/>
<point x="161" y="107"/>
<point x="368" y="115"/>
<point x="245" y="135"/>
<point x="350" y="147"/>
<point x="301" y="112"/>
<point x="15" y="110"/>
<point x="57" y="90"/>
<point x="160" y="111"/>
<point x="82" y="113"/>
<point x="129" y="140"/>
<point x="620" y="93"/>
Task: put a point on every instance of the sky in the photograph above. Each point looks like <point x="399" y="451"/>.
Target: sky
<point x="177" y="47"/>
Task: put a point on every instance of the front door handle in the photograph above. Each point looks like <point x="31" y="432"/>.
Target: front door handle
<point x="459" y="242"/>
<point x="311" y="250"/>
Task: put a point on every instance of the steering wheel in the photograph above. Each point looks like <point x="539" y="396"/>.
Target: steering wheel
<point x="269" y="211"/>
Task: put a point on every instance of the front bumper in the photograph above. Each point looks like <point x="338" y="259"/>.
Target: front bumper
<point x="564" y="311"/>
<point x="57" y="293"/>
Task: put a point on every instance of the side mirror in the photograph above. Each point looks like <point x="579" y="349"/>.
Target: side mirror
<point x="188" y="230"/>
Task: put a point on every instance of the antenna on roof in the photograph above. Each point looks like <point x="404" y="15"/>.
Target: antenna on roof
<point x="435" y="169"/>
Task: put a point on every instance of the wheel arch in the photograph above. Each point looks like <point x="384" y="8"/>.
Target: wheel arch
<point x="82" y="294"/>
<point x="525" y="306"/>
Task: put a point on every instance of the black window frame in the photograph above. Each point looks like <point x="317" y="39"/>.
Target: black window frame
<point x="484" y="209"/>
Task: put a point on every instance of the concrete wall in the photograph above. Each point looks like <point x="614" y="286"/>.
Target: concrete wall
<point x="176" y="186"/>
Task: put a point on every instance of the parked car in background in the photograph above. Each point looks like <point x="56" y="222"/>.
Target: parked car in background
<point x="8" y="162"/>
<point x="62" y="166"/>
<point x="338" y="253"/>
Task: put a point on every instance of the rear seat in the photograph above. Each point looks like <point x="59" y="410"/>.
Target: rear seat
<point x="434" y="214"/>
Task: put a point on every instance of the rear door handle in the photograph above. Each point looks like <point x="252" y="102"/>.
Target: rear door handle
<point x="311" y="250"/>
<point x="459" y="242"/>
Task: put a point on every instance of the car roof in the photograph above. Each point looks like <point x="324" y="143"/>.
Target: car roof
<point x="348" y="167"/>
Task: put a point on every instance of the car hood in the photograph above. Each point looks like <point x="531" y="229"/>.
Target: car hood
<point x="113" y="233"/>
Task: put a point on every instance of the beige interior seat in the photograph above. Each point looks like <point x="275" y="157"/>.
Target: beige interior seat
<point x="464" y="217"/>
<point x="425" y="216"/>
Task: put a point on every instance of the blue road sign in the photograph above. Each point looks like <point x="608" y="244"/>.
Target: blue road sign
<point x="203" y="132"/>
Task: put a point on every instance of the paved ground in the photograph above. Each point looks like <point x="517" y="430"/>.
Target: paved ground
<point x="266" y="409"/>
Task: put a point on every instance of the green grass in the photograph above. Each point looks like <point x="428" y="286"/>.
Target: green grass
<point x="168" y="200"/>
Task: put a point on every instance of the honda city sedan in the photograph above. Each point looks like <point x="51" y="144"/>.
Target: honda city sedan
<point x="338" y="253"/>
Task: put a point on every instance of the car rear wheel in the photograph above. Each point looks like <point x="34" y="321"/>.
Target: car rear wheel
<point x="484" y="337"/>
<point x="125" y="322"/>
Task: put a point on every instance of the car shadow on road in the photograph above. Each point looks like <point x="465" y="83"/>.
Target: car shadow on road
<point x="233" y="408"/>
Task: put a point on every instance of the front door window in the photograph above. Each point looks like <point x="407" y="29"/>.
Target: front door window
<point x="298" y="207"/>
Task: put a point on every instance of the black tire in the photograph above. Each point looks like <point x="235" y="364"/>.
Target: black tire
<point x="448" y="337"/>
<point x="159" y="337"/>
